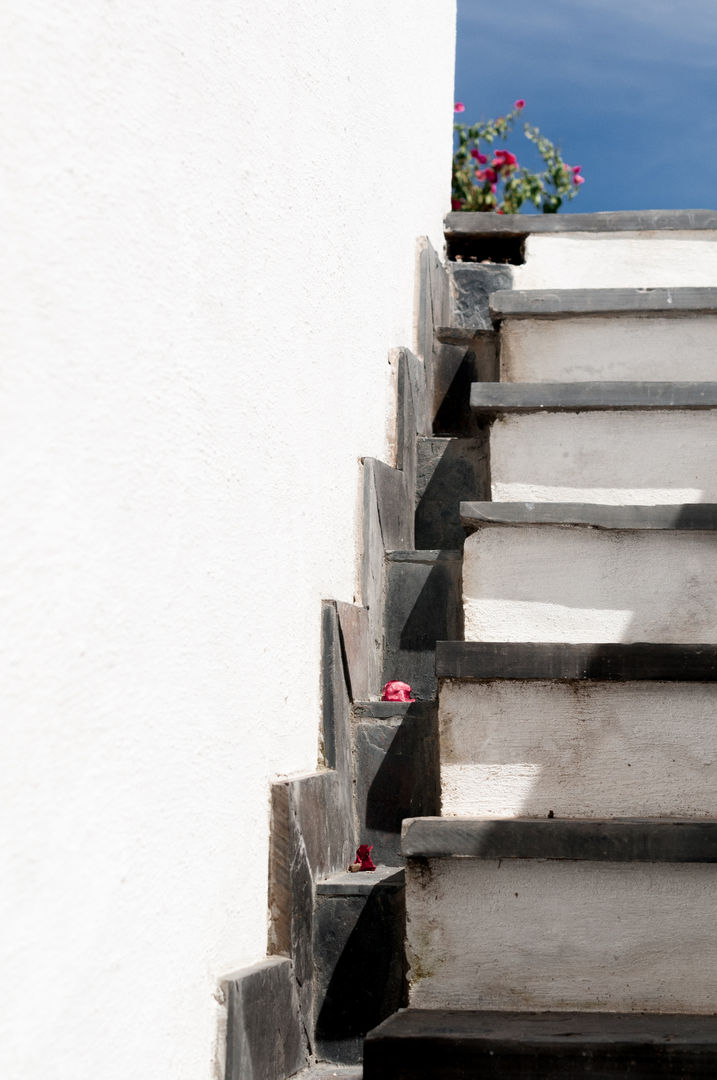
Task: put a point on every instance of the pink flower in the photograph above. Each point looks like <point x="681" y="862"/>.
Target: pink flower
<point x="480" y="174"/>
<point x="499" y="155"/>
<point x="474" y="154"/>
<point x="577" y="168"/>
<point x="456" y="204"/>
<point x="577" y="180"/>
<point x="459" y="107"/>
<point x="491" y="174"/>
<point x="482" y="158"/>
<point x="520" y="103"/>
<point x="493" y="187"/>
<point x="500" y="210"/>
<point x="504" y="157"/>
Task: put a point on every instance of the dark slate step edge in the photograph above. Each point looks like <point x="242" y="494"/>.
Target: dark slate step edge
<point x="497" y="397"/>
<point x="442" y="1043"/>
<point x="552" y="303"/>
<point x="689" y="516"/>
<point x="464" y="224"/>
<point x="595" y="840"/>
<point x="635" y="662"/>
<point x="466" y="336"/>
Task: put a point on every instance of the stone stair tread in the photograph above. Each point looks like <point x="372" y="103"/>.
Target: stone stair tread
<point x="348" y="883"/>
<point x="502" y="397"/>
<point x="462" y="223"/>
<point x="673" y="840"/>
<point x="329" y="1070"/>
<point x="447" y="1043"/>
<point x="700" y="516"/>
<point x="618" y="662"/>
<point x="537" y="303"/>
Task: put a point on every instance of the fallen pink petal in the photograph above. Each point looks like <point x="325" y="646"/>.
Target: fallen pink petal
<point x="396" y="691"/>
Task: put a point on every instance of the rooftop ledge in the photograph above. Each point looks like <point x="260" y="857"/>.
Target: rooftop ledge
<point x="463" y="224"/>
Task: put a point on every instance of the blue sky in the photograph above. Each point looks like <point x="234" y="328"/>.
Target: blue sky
<point x="628" y="90"/>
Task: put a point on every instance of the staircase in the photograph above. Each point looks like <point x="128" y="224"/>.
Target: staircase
<point x="561" y="912"/>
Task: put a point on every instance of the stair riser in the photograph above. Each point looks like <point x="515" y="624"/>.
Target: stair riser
<point x="624" y="347"/>
<point x="609" y="261"/>
<point x="550" y="583"/>
<point x="561" y="935"/>
<point x="605" y="457"/>
<point x="578" y="749"/>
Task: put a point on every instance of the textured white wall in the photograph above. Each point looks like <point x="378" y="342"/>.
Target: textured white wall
<point x="211" y="215"/>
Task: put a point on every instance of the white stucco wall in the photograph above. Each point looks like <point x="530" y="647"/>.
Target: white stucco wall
<point x="211" y="218"/>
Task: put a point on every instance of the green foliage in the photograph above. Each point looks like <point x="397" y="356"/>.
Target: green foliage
<point x="503" y="184"/>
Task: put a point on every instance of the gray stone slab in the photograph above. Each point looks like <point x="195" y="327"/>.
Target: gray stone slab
<point x="449" y="1044"/>
<point x="329" y="1070"/>
<point x="449" y="470"/>
<point x="420" y="392"/>
<point x="262" y="1000"/>
<point x="406" y="423"/>
<point x="354" y="629"/>
<point x="498" y="398"/>
<point x="467" y="336"/>
<point x="373" y="574"/>
<point x="538" y="303"/>
<point x="335" y="687"/>
<point x="697" y="516"/>
<point x="347" y="883"/>
<point x="423" y="605"/>
<point x="388" y="710"/>
<point x="611" y="662"/>
<point x="395" y="509"/>
<point x="614" y="840"/>
<point x="397" y="775"/>
<point x="473" y="286"/>
<point x="360" y="966"/>
<point x="311" y="836"/>
<point x="489" y="224"/>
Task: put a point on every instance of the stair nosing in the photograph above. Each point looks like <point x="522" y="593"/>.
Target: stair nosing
<point x="653" y="840"/>
<point x="567" y="661"/>
<point x="600" y="302"/>
<point x="628" y="516"/>
<point x="591" y="396"/>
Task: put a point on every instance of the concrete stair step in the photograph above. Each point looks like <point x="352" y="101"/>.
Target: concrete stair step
<point x="444" y="1044"/>
<point x="643" y="574"/>
<point x="358" y="924"/>
<point x="595" y="334"/>
<point x="550" y="914"/>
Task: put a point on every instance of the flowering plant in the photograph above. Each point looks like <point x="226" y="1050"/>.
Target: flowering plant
<point x="503" y="184"/>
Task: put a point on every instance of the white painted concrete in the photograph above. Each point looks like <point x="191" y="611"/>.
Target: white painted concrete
<point x="582" y="749"/>
<point x="619" y="260"/>
<point x="641" y="457"/>
<point x="209" y="249"/>
<point x="615" y="347"/>
<point x="519" y="934"/>
<point x="552" y="583"/>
